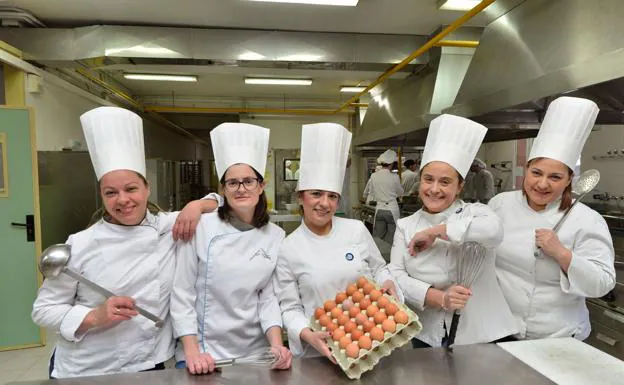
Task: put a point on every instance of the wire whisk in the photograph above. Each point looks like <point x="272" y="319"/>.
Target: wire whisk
<point x="264" y="357"/>
<point x="469" y="264"/>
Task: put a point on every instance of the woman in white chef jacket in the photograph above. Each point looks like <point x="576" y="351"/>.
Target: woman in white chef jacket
<point x="223" y="304"/>
<point x="546" y="288"/>
<point x="325" y="253"/>
<point x="130" y="251"/>
<point x="385" y="188"/>
<point x="428" y="278"/>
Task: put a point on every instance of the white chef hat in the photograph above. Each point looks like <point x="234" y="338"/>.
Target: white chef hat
<point x="324" y="153"/>
<point x="234" y="143"/>
<point x="388" y="157"/>
<point x="115" y="140"/>
<point x="565" y="129"/>
<point x="453" y="140"/>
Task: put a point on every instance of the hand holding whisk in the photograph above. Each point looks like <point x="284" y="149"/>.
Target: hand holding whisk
<point x="274" y="358"/>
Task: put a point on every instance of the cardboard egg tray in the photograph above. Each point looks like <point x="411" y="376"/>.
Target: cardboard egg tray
<point x="367" y="358"/>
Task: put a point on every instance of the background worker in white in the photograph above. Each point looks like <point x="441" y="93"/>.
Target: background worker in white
<point x="385" y="188"/>
<point x="325" y="253"/>
<point x="436" y="232"/>
<point x="223" y="304"/>
<point x="410" y="176"/>
<point x="547" y="293"/>
<point x="129" y="251"/>
<point x="482" y="182"/>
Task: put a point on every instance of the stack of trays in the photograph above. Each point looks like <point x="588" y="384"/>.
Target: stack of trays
<point x="365" y="325"/>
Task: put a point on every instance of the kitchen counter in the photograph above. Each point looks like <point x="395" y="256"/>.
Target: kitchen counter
<point x="466" y="365"/>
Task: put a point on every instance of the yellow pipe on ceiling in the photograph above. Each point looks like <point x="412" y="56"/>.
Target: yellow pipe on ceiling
<point x="458" y="43"/>
<point x="426" y="47"/>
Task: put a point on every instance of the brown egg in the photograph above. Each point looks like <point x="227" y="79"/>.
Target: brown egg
<point x="344" y="342"/>
<point x="383" y="301"/>
<point x="340" y="297"/>
<point x="391" y="309"/>
<point x="364" y="303"/>
<point x="319" y="312"/>
<point x="377" y="334"/>
<point x="349" y="326"/>
<point x="362" y="281"/>
<point x="324" y="320"/>
<point x="338" y="334"/>
<point x="365" y="342"/>
<point x="329" y="305"/>
<point x="347" y="304"/>
<point x="356" y="334"/>
<point x="375" y="295"/>
<point x="389" y="326"/>
<point x="331" y="327"/>
<point x="380" y="317"/>
<point x="354" y="311"/>
<point x="353" y="350"/>
<point x="351" y="289"/>
<point x="343" y="319"/>
<point x="336" y="312"/>
<point x="368" y="288"/>
<point x="360" y="318"/>
<point x="401" y="317"/>
<point x="357" y="296"/>
<point x="372" y="310"/>
<point x="368" y="325"/>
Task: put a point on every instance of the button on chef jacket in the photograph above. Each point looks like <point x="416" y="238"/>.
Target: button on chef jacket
<point x="486" y="316"/>
<point x="135" y="261"/>
<point x="223" y="288"/>
<point x="312" y="269"/>
<point x="544" y="300"/>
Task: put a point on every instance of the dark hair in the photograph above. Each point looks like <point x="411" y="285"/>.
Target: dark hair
<point x="261" y="213"/>
<point x="409" y="163"/>
<point x="566" y="196"/>
<point x="102" y="213"/>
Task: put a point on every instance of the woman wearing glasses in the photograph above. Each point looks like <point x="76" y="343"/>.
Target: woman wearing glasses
<point x="223" y="305"/>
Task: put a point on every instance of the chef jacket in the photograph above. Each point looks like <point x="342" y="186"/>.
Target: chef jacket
<point x="223" y="288"/>
<point x="312" y="269"/>
<point x="545" y="301"/>
<point x="486" y="316"/>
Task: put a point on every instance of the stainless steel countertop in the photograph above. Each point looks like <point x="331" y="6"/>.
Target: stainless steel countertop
<point x="466" y="365"/>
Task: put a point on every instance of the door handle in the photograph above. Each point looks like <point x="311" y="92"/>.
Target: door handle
<point x="29" y="226"/>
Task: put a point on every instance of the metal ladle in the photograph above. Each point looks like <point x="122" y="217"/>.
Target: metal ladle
<point x="53" y="262"/>
<point x="586" y="183"/>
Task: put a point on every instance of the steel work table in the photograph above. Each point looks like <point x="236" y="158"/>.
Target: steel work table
<point x="466" y="365"/>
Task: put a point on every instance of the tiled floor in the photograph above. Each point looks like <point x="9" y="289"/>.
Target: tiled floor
<point x="26" y="364"/>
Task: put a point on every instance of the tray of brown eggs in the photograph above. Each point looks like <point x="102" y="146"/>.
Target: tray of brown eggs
<point x="365" y="325"/>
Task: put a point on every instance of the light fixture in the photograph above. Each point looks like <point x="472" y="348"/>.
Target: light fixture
<point x="352" y="89"/>
<point x="457" y="5"/>
<point x="279" y="82"/>
<point x="162" y="77"/>
<point x="340" y="3"/>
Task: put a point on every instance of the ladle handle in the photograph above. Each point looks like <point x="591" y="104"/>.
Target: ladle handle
<point x="108" y="294"/>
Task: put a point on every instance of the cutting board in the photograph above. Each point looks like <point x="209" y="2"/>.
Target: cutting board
<point x="568" y="361"/>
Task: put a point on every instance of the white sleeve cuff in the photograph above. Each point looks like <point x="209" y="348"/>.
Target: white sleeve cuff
<point x="294" y="335"/>
<point x="72" y="321"/>
<point x="215" y="197"/>
<point x="456" y="228"/>
<point x="183" y="328"/>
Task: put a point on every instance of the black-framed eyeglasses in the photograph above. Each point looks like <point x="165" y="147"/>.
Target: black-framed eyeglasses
<point x="249" y="184"/>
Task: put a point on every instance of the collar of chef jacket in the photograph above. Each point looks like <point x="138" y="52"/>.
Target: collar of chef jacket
<point x="442" y="216"/>
<point x="551" y="207"/>
<point x="312" y="234"/>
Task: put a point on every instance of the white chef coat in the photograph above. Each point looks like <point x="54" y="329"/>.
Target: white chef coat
<point x="544" y="300"/>
<point x="223" y="288"/>
<point x="385" y="187"/>
<point x="486" y="316"/>
<point x="409" y="180"/>
<point x="135" y="261"/>
<point x="312" y="269"/>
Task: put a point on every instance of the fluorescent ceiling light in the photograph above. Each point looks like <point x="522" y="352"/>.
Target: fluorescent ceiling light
<point x="279" y="82"/>
<point x="352" y="89"/>
<point x="340" y="3"/>
<point x="457" y="5"/>
<point x="162" y="77"/>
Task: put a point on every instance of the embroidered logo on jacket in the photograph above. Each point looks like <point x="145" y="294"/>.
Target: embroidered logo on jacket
<point x="349" y="257"/>
<point x="261" y="253"/>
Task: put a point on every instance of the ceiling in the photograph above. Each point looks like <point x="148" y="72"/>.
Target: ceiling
<point x="419" y="17"/>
